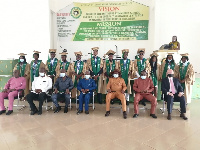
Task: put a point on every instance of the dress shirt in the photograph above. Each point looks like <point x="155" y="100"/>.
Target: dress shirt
<point x="43" y="83"/>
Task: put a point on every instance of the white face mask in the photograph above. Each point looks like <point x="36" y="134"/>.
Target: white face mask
<point x="42" y="74"/>
<point x="143" y="77"/>
<point x="62" y="75"/>
<point x="21" y="60"/>
<point x="115" y="75"/>
<point x="87" y="76"/>
<point x="169" y="60"/>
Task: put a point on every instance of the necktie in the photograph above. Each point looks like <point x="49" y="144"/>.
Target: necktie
<point x="172" y="86"/>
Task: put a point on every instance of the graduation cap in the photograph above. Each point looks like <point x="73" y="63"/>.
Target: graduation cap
<point x="63" y="54"/>
<point x="95" y="48"/>
<point x="52" y="50"/>
<point x="110" y="52"/>
<point x="184" y="55"/>
<point x="141" y="50"/>
<point x="125" y="50"/>
<point x="78" y="53"/>
<point x="170" y="54"/>
<point x="22" y="54"/>
<point x="154" y="54"/>
<point x="36" y="52"/>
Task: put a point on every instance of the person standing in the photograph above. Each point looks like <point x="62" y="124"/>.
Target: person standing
<point x="78" y="69"/>
<point x="35" y="66"/>
<point x="186" y="76"/>
<point x="155" y="71"/>
<point x="63" y="64"/>
<point x="95" y="66"/>
<point x="141" y="64"/>
<point x="174" y="45"/>
<point x="108" y="66"/>
<point x="126" y="68"/>
<point x="51" y="65"/>
<point x="24" y="69"/>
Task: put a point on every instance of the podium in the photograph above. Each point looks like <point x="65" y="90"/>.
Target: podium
<point x="163" y="54"/>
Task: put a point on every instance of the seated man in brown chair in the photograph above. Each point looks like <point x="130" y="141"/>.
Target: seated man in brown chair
<point x="144" y="87"/>
<point x="116" y="87"/>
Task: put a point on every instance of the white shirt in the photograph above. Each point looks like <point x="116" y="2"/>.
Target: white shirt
<point x="52" y="60"/>
<point x="43" y="83"/>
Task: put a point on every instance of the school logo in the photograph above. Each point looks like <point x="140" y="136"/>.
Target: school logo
<point x="76" y="12"/>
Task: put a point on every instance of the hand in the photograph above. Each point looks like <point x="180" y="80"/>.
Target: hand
<point x="86" y="90"/>
<point x="5" y="90"/>
<point x="171" y="94"/>
<point x="55" y="91"/>
<point x="180" y="94"/>
<point x="67" y="91"/>
<point x="96" y="77"/>
<point x="11" y="90"/>
<point x="73" y="73"/>
<point x="122" y="91"/>
<point x="109" y="90"/>
<point x="25" y="75"/>
<point x="105" y="74"/>
<point x="183" y="81"/>
<point x="142" y="92"/>
<point x="82" y="90"/>
<point x="51" y="76"/>
<point x="38" y="90"/>
<point x="78" y="76"/>
<point x="145" y="91"/>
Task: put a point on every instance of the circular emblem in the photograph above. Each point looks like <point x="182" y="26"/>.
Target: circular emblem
<point x="76" y="12"/>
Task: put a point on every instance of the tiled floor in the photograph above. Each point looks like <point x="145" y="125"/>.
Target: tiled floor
<point x="94" y="131"/>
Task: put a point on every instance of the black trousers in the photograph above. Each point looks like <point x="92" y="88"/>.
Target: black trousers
<point x="170" y="101"/>
<point x="33" y="96"/>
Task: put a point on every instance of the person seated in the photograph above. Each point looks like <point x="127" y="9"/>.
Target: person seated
<point x="11" y="89"/>
<point x="86" y="87"/>
<point x="172" y="89"/>
<point x="143" y="87"/>
<point x="40" y="86"/>
<point x="62" y="88"/>
<point x="116" y="87"/>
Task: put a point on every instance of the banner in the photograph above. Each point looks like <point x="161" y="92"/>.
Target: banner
<point x="103" y="21"/>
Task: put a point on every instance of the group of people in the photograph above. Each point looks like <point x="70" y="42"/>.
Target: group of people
<point x="109" y="76"/>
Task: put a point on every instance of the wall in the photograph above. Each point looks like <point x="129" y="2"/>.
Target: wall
<point x="85" y="46"/>
<point x="24" y="28"/>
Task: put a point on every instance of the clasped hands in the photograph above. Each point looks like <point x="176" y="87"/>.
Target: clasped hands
<point x="109" y="91"/>
<point x="84" y="90"/>
<point x="56" y="91"/>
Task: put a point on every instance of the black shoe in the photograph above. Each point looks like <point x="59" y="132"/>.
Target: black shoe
<point x="39" y="112"/>
<point x="127" y="103"/>
<point x="34" y="112"/>
<point x="107" y="113"/>
<point x="79" y="111"/>
<point x="3" y="111"/>
<point x="57" y="109"/>
<point x="9" y="112"/>
<point x="124" y="114"/>
<point x="183" y="116"/>
<point x="135" y="115"/>
<point x="66" y="110"/>
<point x="169" y="117"/>
<point x="87" y="112"/>
<point x="153" y="116"/>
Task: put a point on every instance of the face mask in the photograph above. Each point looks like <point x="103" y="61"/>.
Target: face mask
<point x="87" y="76"/>
<point x="115" y="75"/>
<point x="143" y="77"/>
<point x="170" y="75"/>
<point x="41" y="74"/>
<point x="21" y="60"/>
<point x="62" y="75"/>
<point x="169" y="60"/>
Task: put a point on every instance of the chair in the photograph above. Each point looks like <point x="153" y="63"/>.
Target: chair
<point x="19" y="96"/>
<point x="93" y="107"/>
<point x="47" y="107"/>
<point x="165" y="102"/>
